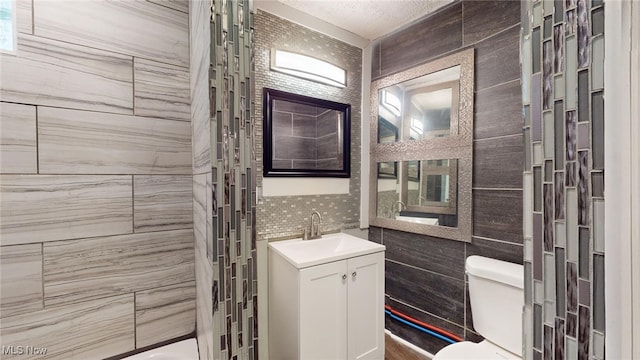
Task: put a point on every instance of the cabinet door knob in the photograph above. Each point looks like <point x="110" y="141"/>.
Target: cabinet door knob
<point x="353" y="274"/>
<point x="344" y="276"/>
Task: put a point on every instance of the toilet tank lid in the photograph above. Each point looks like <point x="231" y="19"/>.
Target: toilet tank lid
<point x="496" y="270"/>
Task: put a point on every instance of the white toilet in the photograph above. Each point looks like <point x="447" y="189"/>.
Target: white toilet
<point x="497" y="300"/>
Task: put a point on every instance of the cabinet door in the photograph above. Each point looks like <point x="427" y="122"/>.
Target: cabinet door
<point x="323" y="310"/>
<point x="366" y="307"/>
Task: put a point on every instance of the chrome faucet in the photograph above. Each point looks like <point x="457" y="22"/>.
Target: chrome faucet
<point x="316" y="227"/>
<point x="399" y="207"/>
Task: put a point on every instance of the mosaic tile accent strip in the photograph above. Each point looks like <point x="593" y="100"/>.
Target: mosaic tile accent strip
<point x="568" y="187"/>
<point x="230" y="189"/>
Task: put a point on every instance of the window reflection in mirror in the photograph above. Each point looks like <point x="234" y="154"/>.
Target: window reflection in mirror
<point x="422" y="108"/>
<point x="424" y="192"/>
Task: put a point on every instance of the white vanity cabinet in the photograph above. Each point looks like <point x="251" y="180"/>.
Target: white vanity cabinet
<point x="326" y="311"/>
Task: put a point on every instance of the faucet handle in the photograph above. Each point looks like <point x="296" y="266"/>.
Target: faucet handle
<point x="305" y="235"/>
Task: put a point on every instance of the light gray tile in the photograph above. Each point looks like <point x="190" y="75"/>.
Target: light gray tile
<point x="165" y="313"/>
<point x="142" y="29"/>
<point x="528" y="249"/>
<point x="597" y="67"/>
<point x="180" y="5"/>
<point x="55" y="73"/>
<point x="80" y="142"/>
<point x="537" y="154"/>
<point x="549" y="312"/>
<point x="571" y="348"/>
<point x="549" y="278"/>
<point x="21" y="279"/>
<point x="548" y="125"/>
<point x="162" y="202"/>
<point x="598" y="226"/>
<point x="37" y="208"/>
<point x="571" y="77"/>
<point x="538" y="292"/>
<point x="161" y="90"/>
<point x="88" y="330"/>
<point x="571" y="217"/>
<point x="560" y="235"/>
<point x="84" y="269"/>
<point x="18" y="151"/>
<point x="558" y="87"/>
<point x="24" y="16"/>
<point x="598" y="345"/>
<point x="527" y="204"/>
<point x="200" y="210"/>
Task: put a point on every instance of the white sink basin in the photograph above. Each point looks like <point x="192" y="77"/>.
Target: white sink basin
<point x="419" y="220"/>
<point x="333" y="247"/>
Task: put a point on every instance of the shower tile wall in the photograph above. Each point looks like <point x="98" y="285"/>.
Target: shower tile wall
<point x="284" y="216"/>
<point x="96" y="228"/>
<point x="425" y="275"/>
<point x="224" y="179"/>
<point x="562" y="72"/>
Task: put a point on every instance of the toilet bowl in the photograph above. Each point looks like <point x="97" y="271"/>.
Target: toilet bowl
<point x="497" y="299"/>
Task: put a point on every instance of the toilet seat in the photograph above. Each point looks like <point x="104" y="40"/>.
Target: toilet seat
<point x="471" y="350"/>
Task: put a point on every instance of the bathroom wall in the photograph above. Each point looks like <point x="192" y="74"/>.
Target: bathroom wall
<point x="224" y="195"/>
<point x="96" y="255"/>
<point x="563" y="88"/>
<point x="425" y="275"/>
<point x="285" y="216"/>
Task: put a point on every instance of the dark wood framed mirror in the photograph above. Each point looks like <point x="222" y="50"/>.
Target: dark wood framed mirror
<point x="305" y="136"/>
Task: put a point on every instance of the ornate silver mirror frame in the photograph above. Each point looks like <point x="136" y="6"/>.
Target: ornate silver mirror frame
<point x="458" y="145"/>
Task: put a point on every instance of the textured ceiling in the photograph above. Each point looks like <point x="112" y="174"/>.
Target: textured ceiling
<point x="369" y="19"/>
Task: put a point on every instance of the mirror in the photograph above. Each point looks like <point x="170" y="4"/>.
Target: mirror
<point x="421" y="163"/>
<point x="305" y="136"/>
<point x="425" y="107"/>
<point x="426" y="193"/>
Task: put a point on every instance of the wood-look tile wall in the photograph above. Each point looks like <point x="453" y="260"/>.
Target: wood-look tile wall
<point x="425" y="275"/>
<point x="96" y="228"/>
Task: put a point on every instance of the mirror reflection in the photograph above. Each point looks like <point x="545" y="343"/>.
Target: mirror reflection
<point x="305" y="136"/>
<point x="425" y="192"/>
<point x="422" y="108"/>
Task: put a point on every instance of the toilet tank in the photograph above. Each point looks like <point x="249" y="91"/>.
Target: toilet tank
<point x="497" y="300"/>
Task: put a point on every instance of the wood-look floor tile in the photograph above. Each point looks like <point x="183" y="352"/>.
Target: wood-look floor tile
<point x="394" y="350"/>
<point x="36" y="208"/>
<point x="79" y="270"/>
<point x="165" y="313"/>
<point x="20" y="279"/>
<point x="80" y="142"/>
<point x="135" y="32"/>
<point x="18" y="151"/>
<point x="56" y="73"/>
<point x="89" y="330"/>
<point x="162" y="202"/>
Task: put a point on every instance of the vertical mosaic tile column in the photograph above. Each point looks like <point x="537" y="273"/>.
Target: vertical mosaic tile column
<point x="232" y="187"/>
<point x="562" y="58"/>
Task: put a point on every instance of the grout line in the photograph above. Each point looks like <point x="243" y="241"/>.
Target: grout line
<point x="37" y="143"/>
<point x="508" y="82"/>
<point x="497" y="189"/>
<point x="133" y="206"/>
<point x="135" y="325"/>
<point x="425" y="270"/>
<point x="496" y="240"/>
<point x="498" y="137"/>
<point x="42" y="274"/>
